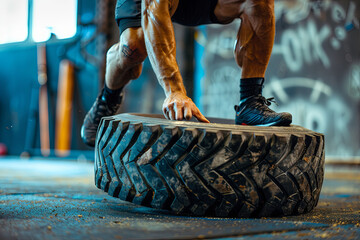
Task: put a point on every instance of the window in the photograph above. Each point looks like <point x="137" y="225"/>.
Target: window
<point x="13" y="21"/>
<point x="57" y="17"/>
<point x="54" y="16"/>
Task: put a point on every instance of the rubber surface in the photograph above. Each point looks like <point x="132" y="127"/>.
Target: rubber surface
<point x="213" y="169"/>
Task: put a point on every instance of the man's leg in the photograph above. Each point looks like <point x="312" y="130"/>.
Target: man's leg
<point x="123" y="63"/>
<point x="253" y="48"/>
<point x="124" y="59"/>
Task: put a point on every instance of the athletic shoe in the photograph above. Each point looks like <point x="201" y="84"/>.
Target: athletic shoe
<point x="101" y="108"/>
<point x="254" y="111"/>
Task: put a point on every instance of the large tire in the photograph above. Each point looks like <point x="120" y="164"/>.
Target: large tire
<point x="213" y="169"/>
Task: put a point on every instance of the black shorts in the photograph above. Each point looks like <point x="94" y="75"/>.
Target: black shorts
<point x="188" y="13"/>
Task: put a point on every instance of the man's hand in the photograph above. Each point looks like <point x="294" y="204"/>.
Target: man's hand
<point x="178" y="106"/>
<point x="161" y="49"/>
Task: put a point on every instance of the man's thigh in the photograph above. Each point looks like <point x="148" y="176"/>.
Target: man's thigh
<point x="227" y="10"/>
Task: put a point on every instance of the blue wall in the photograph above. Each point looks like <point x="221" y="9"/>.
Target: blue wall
<point x="19" y="87"/>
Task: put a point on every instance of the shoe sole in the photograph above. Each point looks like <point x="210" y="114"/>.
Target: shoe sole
<point x="283" y="123"/>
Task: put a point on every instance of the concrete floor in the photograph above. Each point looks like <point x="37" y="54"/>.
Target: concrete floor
<point x="51" y="199"/>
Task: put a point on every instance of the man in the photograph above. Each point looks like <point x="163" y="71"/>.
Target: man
<point x="146" y="31"/>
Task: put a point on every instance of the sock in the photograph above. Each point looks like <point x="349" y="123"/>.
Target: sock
<point x="111" y="96"/>
<point x="250" y="87"/>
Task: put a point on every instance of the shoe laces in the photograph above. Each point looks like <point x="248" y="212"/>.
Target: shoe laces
<point x="263" y="103"/>
<point x="259" y="101"/>
<point x="268" y="101"/>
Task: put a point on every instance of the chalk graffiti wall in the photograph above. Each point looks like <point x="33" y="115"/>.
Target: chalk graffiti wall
<point x="314" y="71"/>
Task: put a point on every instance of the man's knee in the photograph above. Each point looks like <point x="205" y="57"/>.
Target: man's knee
<point x="130" y="51"/>
<point x="132" y="46"/>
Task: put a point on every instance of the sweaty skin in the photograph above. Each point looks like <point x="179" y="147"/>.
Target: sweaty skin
<point x="124" y="59"/>
<point x="156" y="40"/>
<point x="255" y="38"/>
<point x="161" y="49"/>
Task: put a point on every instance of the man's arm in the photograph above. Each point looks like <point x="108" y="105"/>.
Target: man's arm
<point x="161" y="49"/>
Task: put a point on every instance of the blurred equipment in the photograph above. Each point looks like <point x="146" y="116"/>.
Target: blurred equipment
<point x="43" y="101"/>
<point x="3" y="149"/>
<point x="64" y="109"/>
<point x="107" y="33"/>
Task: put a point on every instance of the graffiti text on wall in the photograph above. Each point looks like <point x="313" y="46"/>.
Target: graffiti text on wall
<point x="314" y="72"/>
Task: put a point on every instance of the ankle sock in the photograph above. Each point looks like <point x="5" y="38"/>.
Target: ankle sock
<point x="111" y="95"/>
<point x="250" y="87"/>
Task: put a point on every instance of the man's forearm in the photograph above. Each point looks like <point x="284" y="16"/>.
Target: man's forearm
<point x="161" y="49"/>
<point x="161" y="45"/>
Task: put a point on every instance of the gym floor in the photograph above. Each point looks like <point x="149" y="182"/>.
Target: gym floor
<point x="52" y="199"/>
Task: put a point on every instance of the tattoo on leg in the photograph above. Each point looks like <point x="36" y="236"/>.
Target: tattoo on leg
<point x="128" y="52"/>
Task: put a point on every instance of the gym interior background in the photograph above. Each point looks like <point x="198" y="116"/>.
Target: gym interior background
<point x="314" y="71"/>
